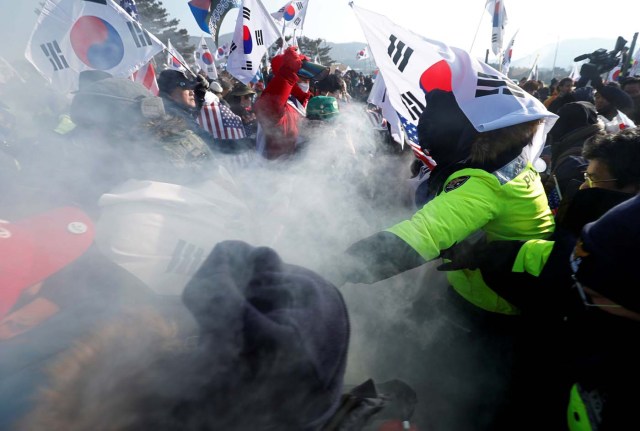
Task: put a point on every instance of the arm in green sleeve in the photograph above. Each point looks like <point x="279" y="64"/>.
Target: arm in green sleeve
<point x="450" y="217"/>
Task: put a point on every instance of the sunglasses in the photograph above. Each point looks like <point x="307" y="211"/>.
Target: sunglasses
<point x="590" y="181"/>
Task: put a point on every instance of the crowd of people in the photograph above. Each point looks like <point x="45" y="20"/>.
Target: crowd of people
<point x="143" y="277"/>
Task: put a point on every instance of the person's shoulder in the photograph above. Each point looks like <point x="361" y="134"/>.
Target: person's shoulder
<point x="471" y="177"/>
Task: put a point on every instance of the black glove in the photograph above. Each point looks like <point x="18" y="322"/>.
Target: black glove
<point x="489" y="257"/>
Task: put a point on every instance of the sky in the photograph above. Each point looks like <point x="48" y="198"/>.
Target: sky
<point x="454" y="22"/>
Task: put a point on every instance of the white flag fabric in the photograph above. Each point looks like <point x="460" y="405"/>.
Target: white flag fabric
<point x="378" y="96"/>
<point x="614" y="73"/>
<point x="146" y="76"/>
<point x="363" y="54"/>
<point x="71" y="36"/>
<point x="255" y="32"/>
<point x="162" y="232"/>
<point x="204" y="59"/>
<point x="499" y="21"/>
<point x="635" y="66"/>
<point x="507" y="55"/>
<point x="175" y="61"/>
<point x="533" y="73"/>
<point x="575" y="71"/>
<point x="292" y="14"/>
<point x="412" y="65"/>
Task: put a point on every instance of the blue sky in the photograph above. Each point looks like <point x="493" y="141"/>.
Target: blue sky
<point x="452" y="21"/>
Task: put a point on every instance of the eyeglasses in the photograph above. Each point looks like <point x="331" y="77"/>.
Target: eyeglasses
<point x="590" y="181"/>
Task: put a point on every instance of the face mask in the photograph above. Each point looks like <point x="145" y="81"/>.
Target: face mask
<point x="304" y="86"/>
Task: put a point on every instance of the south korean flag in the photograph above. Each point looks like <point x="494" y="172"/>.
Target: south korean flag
<point x="255" y="32"/>
<point x="292" y="14"/>
<point x="413" y="65"/>
<point x="71" y="36"/>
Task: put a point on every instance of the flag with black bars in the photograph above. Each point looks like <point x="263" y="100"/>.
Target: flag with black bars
<point x="413" y="65"/>
<point x="64" y="41"/>
<point x="488" y="85"/>
<point x="413" y="105"/>
<point x="54" y="54"/>
<point x="255" y="32"/>
<point x="292" y="14"/>
<point x="399" y="52"/>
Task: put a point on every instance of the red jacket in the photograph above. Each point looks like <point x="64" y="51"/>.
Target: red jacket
<point x="278" y="119"/>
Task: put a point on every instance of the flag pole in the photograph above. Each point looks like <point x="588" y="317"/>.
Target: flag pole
<point x="477" y="29"/>
<point x="624" y="71"/>
<point x="555" y="56"/>
<point x="534" y="65"/>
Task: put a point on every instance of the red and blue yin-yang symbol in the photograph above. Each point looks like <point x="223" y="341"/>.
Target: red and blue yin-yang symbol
<point x="96" y="42"/>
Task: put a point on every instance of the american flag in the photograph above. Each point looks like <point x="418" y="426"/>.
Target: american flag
<point x="221" y="122"/>
<point x="412" y="138"/>
<point x="554" y="201"/>
<point x="130" y="7"/>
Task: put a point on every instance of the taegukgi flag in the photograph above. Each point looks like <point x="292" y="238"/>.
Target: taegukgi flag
<point x="499" y="20"/>
<point x="175" y="60"/>
<point x="146" y="76"/>
<point x="204" y="59"/>
<point x="507" y="55"/>
<point x="255" y="32"/>
<point x="413" y="65"/>
<point x="292" y="14"/>
<point x="363" y="54"/>
<point x="71" y="36"/>
<point x="378" y="96"/>
<point x="635" y="66"/>
<point x="222" y="52"/>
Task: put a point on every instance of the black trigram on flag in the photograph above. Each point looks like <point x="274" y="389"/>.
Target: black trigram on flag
<point x="297" y="20"/>
<point x="54" y="54"/>
<point x="300" y="5"/>
<point x="140" y="37"/>
<point x="232" y="47"/>
<point x="413" y="105"/>
<point x="259" y="40"/>
<point x="399" y="52"/>
<point x="492" y="84"/>
<point x="246" y="13"/>
<point x="248" y="65"/>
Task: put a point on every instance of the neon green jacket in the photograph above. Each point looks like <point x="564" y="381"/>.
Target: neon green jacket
<point x="508" y="204"/>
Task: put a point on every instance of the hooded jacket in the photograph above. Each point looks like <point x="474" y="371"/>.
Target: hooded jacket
<point x="505" y="200"/>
